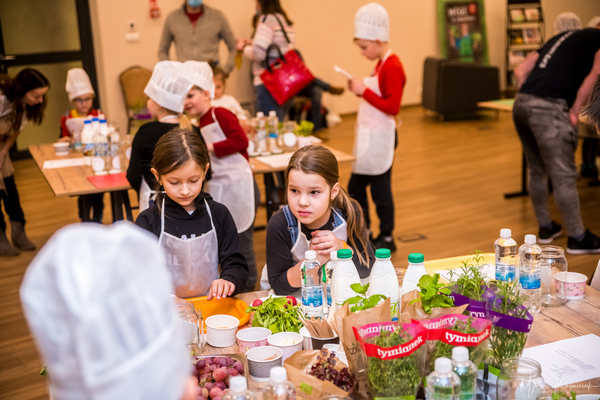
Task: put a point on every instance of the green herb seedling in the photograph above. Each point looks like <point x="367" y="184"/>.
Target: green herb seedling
<point x="361" y="301"/>
<point x="560" y="395"/>
<point x="433" y="293"/>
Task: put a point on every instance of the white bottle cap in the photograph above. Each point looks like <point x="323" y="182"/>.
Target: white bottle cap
<point x="442" y="364"/>
<point x="530" y="239"/>
<point x="278" y="374"/>
<point x="310" y="254"/>
<point x="238" y="384"/>
<point x="333" y="255"/>
<point x="505" y="233"/>
<point x="460" y="354"/>
<point x="260" y="114"/>
<point x="272" y="113"/>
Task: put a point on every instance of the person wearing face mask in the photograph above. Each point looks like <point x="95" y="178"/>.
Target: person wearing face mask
<point x="21" y="100"/>
<point x="197" y="30"/>
<point x="105" y="322"/>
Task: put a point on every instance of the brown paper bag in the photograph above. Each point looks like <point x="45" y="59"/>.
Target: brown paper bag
<point x="344" y="321"/>
<point x="307" y="386"/>
<point x="415" y="310"/>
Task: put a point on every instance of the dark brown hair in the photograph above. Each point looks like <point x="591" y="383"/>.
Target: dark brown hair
<point x="177" y="147"/>
<point x="592" y="111"/>
<point x="272" y="7"/>
<point x="26" y="80"/>
<point x="318" y="160"/>
<point x="217" y="71"/>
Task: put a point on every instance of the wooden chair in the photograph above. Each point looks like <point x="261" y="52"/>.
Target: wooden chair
<point x="133" y="81"/>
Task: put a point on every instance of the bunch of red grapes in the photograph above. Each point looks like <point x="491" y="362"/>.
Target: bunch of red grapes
<point x="213" y="375"/>
<point x="325" y="370"/>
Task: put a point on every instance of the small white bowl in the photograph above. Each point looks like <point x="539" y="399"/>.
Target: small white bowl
<point x="261" y="360"/>
<point x="277" y="339"/>
<point x="220" y="330"/>
<point x="306" y="342"/>
<point x="61" y="148"/>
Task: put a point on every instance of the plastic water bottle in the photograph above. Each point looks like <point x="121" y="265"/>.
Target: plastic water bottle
<point x="329" y="267"/>
<point x="344" y="275"/>
<point x="279" y="388"/>
<point x="261" y="133"/>
<point x="312" y="291"/>
<point x="530" y="272"/>
<point x="238" y="390"/>
<point x="414" y="272"/>
<point x="383" y="280"/>
<point x="443" y="384"/>
<point x="506" y="256"/>
<point x="466" y="371"/>
<point x="87" y="141"/>
<point x="273" y="131"/>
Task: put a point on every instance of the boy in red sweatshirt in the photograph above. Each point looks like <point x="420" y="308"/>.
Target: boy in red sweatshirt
<point x="376" y="134"/>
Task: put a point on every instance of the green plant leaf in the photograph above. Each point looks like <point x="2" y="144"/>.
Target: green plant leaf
<point x="360" y="289"/>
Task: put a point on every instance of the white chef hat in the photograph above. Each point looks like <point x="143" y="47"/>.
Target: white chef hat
<point x="169" y="85"/>
<point x="201" y="74"/>
<point x="78" y="83"/>
<point x="594" y="22"/>
<point x="566" y="21"/>
<point x="372" y="22"/>
<point x="98" y="302"/>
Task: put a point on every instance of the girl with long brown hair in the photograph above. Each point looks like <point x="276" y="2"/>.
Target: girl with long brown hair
<point x="197" y="233"/>
<point x="319" y="216"/>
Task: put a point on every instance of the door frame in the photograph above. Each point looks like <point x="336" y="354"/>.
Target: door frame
<point x="85" y="54"/>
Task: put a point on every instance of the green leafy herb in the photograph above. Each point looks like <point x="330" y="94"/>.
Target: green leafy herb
<point x="361" y="301"/>
<point x="396" y="377"/>
<point x="560" y="395"/>
<point x="277" y="315"/>
<point x="305" y="128"/>
<point x="433" y="294"/>
<point x="471" y="282"/>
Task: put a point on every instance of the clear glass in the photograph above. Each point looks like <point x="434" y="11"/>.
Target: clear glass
<point x="192" y="325"/>
<point x="552" y="260"/>
<point x="520" y="379"/>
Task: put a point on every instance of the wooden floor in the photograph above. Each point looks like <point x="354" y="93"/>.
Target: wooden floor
<point x="448" y="179"/>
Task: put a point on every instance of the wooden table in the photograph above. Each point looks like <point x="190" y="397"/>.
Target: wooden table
<point x="275" y="181"/>
<point x="72" y="181"/>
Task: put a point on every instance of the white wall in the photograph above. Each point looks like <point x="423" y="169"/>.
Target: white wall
<point x="324" y="31"/>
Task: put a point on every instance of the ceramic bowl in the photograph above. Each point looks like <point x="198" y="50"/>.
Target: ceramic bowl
<point x="261" y="360"/>
<point x="571" y="285"/>
<point x="250" y="338"/>
<point x="293" y="340"/>
<point x="61" y="148"/>
<point x="220" y="330"/>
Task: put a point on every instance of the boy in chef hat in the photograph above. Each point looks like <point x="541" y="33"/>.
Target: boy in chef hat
<point x="81" y="95"/>
<point x="105" y="321"/>
<point x="376" y="135"/>
<point x="566" y="21"/>
<point x="232" y="182"/>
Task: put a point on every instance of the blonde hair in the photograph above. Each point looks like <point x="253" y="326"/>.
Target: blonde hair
<point x="318" y="160"/>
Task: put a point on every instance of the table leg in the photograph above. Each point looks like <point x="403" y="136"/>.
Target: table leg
<point x="86" y="208"/>
<point x="120" y="200"/>
<point x="274" y="183"/>
<point x="524" y="191"/>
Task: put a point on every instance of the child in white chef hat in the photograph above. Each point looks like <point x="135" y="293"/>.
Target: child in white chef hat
<point x="104" y="321"/>
<point x="81" y="95"/>
<point x="376" y="135"/>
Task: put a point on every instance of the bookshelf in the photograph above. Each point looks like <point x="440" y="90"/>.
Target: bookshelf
<point x="524" y="33"/>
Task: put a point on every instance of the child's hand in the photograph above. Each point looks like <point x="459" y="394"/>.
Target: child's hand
<point x="357" y="86"/>
<point x="241" y="43"/>
<point x="210" y="147"/>
<point x="324" y="242"/>
<point x="220" y="288"/>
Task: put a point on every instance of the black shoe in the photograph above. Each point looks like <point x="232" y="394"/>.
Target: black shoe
<point x="335" y="90"/>
<point x="547" y="235"/>
<point x="590" y="244"/>
<point x="589" y="170"/>
<point x="380" y="243"/>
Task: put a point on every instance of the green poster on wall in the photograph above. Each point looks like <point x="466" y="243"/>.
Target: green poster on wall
<point x="462" y="30"/>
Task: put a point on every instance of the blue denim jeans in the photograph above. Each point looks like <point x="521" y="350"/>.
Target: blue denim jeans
<point x="549" y="143"/>
<point x="265" y="103"/>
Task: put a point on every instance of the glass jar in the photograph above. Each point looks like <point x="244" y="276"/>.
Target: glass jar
<point x="192" y="324"/>
<point x="520" y="379"/>
<point x="552" y="260"/>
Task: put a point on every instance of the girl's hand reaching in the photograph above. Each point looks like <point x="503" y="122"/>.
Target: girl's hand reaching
<point x="324" y="242"/>
<point x="357" y="86"/>
<point x="220" y="288"/>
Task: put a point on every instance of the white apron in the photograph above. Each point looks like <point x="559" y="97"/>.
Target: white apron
<point x="375" y="133"/>
<point x="193" y="262"/>
<point x="232" y="183"/>
<point x="299" y="249"/>
<point x="146" y="193"/>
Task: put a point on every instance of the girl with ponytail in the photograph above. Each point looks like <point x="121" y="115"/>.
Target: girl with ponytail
<point x="166" y="91"/>
<point x="319" y="216"/>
